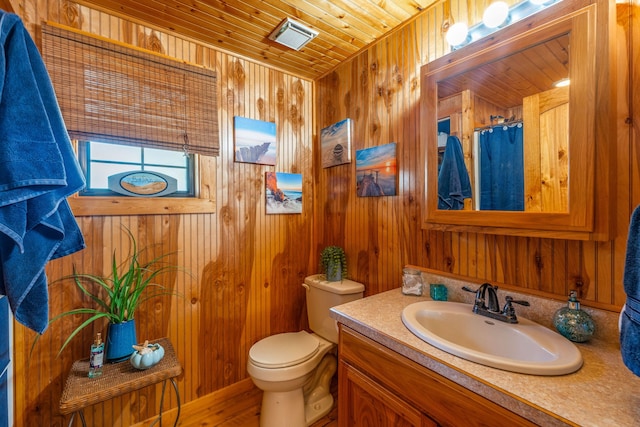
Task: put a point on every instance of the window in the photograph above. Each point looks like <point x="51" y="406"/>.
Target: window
<point x="204" y="172"/>
<point x="100" y="160"/>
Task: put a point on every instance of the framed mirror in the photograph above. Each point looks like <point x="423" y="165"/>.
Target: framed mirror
<point x="505" y="149"/>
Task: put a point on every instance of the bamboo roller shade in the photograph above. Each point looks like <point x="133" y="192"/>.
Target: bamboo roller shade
<point x="113" y="93"/>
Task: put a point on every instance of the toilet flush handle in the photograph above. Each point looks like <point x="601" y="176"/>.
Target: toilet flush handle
<point x="304" y="285"/>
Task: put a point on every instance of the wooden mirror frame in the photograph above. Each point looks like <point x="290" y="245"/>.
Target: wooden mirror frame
<point x="578" y="18"/>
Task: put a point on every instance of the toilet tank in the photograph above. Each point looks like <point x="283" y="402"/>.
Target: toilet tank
<point x="321" y="296"/>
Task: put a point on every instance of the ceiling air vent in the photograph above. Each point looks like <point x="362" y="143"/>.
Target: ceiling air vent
<point x="292" y="34"/>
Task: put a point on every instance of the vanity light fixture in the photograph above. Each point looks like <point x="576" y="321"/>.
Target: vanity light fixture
<point x="292" y="34"/>
<point x="496" y="14"/>
<point x="458" y="33"/>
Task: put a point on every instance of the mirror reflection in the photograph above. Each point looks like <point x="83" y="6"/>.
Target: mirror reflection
<point x="503" y="132"/>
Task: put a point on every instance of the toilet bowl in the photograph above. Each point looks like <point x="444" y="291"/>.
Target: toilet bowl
<point x="294" y="369"/>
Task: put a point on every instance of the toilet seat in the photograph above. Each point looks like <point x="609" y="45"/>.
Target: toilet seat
<point x="283" y="350"/>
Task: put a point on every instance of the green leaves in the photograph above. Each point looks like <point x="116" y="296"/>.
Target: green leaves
<point x="117" y="296"/>
<point x="333" y="257"/>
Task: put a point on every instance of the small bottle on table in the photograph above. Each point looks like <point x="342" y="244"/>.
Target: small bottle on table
<point x="97" y="357"/>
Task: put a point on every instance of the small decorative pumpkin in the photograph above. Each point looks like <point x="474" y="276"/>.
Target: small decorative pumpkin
<point x="146" y="355"/>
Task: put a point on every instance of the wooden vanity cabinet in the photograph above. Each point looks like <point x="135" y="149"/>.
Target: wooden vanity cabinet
<point x="378" y="387"/>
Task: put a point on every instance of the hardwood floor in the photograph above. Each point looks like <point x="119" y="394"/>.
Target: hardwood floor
<point x="331" y="420"/>
<point x="234" y="406"/>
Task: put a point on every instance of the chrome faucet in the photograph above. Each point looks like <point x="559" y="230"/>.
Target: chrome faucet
<point x="486" y="304"/>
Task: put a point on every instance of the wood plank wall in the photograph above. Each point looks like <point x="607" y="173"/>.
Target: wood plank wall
<point x="379" y="90"/>
<point x="245" y="267"/>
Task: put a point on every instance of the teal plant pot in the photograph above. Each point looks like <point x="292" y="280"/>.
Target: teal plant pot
<point x="121" y="337"/>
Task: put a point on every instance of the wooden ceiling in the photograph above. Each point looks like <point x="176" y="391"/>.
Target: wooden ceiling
<point x="242" y="27"/>
<point x="507" y="81"/>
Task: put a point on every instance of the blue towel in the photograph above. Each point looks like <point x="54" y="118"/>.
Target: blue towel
<point x="453" y="179"/>
<point x="630" y="318"/>
<point x="38" y="171"/>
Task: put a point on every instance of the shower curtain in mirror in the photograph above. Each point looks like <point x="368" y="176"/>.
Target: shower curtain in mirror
<point x="502" y="168"/>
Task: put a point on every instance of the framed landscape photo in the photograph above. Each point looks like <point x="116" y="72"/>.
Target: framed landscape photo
<point x="284" y="193"/>
<point x="335" y="143"/>
<point x="255" y="141"/>
<point x="376" y="171"/>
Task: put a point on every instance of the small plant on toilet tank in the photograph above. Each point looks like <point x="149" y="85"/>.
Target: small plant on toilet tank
<point x="333" y="263"/>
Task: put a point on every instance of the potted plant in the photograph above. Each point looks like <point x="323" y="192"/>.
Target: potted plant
<point x="116" y="298"/>
<point x="333" y="263"/>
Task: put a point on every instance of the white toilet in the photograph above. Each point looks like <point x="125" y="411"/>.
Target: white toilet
<point x="294" y="369"/>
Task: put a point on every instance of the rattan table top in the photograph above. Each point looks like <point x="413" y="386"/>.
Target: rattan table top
<point x="117" y="379"/>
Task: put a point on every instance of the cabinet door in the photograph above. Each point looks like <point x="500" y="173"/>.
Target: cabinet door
<point x="363" y="402"/>
<point x="398" y="384"/>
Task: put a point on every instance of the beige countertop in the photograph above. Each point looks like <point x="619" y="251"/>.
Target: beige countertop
<point x="602" y="393"/>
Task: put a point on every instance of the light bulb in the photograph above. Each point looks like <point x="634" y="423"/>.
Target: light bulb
<point x="496" y="14"/>
<point x="457" y="34"/>
<point x="562" y="83"/>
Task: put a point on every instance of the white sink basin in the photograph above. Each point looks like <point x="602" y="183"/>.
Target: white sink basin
<point x="525" y="347"/>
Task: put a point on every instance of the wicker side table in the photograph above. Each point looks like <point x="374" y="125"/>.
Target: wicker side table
<point x="117" y="379"/>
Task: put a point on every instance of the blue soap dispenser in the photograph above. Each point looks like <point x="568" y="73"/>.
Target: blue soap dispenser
<point x="572" y="322"/>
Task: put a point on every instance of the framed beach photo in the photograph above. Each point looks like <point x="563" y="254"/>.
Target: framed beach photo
<point x="335" y="143"/>
<point x="284" y="193"/>
<point x="376" y="171"/>
<point x="255" y="141"/>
